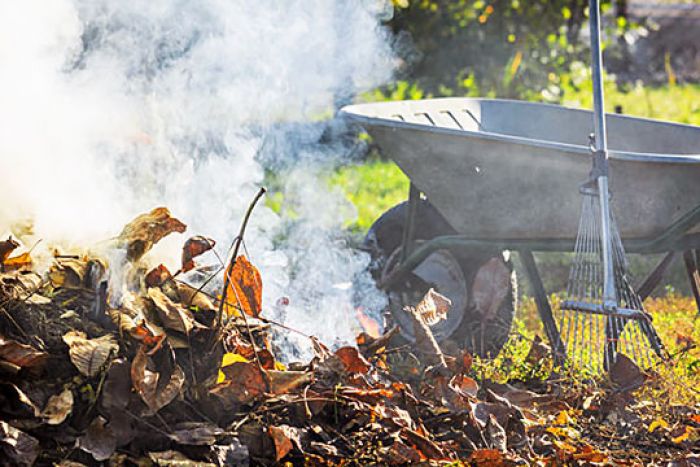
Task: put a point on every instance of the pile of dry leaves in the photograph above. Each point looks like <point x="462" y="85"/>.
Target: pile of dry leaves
<point x="172" y="376"/>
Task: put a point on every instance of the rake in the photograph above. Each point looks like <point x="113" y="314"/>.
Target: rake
<point x="602" y="316"/>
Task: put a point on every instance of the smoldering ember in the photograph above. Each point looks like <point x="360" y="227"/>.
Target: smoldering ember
<point x="360" y="232"/>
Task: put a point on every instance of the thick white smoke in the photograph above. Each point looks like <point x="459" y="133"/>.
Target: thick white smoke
<point x="108" y="109"/>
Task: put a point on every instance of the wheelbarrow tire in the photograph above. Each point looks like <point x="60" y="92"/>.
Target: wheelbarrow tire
<point x="482" y="337"/>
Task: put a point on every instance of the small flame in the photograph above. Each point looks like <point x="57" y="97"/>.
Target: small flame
<point x="369" y="324"/>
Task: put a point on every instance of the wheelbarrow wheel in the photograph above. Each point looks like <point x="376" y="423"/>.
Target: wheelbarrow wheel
<point x="481" y="286"/>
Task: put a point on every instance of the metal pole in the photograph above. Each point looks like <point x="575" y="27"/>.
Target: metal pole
<point x="601" y="156"/>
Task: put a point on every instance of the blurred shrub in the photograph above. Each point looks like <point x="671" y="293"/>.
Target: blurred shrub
<point x="504" y="48"/>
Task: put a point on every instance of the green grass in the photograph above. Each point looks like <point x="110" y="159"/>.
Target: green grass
<point x="373" y="187"/>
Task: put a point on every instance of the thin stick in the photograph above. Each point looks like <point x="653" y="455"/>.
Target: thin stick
<point x="237" y="241"/>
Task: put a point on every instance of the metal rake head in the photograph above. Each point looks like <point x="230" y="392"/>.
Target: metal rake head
<point x="595" y="326"/>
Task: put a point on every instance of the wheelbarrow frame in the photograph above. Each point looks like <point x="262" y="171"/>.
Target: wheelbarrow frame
<point x="674" y="239"/>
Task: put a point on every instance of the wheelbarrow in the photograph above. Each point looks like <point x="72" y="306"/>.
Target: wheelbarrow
<point x="489" y="176"/>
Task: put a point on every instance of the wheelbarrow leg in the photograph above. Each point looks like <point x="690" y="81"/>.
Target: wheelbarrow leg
<point x="543" y="307"/>
<point x="411" y="213"/>
<point x="692" y="266"/>
<point x="656" y="275"/>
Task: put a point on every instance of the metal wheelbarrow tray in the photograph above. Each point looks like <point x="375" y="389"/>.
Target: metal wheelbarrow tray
<point x="502" y="169"/>
<point x="504" y="175"/>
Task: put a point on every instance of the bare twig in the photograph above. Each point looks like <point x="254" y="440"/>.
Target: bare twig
<point x="237" y="244"/>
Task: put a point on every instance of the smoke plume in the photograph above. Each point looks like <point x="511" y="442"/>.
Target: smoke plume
<point x="108" y="109"/>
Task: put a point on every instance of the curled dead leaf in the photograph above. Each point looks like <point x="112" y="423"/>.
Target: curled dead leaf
<point x="626" y="374"/>
<point x="21" y="355"/>
<point x="6" y="248"/>
<point x="90" y="355"/>
<point x="139" y="235"/>
<point x="245" y="383"/>
<point x="171" y="315"/>
<point x="194" y="247"/>
<point x="433" y="308"/>
<point x="281" y="440"/>
<point x="155" y="393"/>
<point x="244" y="289"/>
<point x="490" y="287"/>
<point x="353" y="361"/>
<point x="98" y="440"/>
<point x="17" y="447"/>
<point x="157" y="276"/>
<point x="58" y="407"/>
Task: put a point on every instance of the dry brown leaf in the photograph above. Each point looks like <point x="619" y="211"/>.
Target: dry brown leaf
<point x="21" y="355"/>
<point x="58" y="407"/>
<point x="245" y="383"/>
<point x="465" y="384"/>
<point x="98" y="440"/>
<point x="171" y="315"/>
<point x="147" y="384"/>
<point x="490" y="287"/>
<point x="17" y="447"/>
<point x="433" y="308"/>
<point x="281" y="440"/>
<point x="191" y="297"/>
<point x="6" y="248"/>
<point x="196" y="433"/>
<point x="490" y="457"/>
<point x="244" y="289"/>
<point x="139" y="235"/>
<point x="194" y="247"/>
<point x="18" y="262"/>
<point x="175" y="459"/>
<point x="89" y="355"/>
<point x="68" y="273"/>
<point x="157" y="276"/>
<point x="352" y="360"/>
<point x="426" y="344"/>
<point x="282" y="382"/>
<point x="401" y="454"/>
<point x="626" y="374"/>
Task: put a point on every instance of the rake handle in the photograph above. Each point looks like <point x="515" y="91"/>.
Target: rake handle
<point x="600" y="157"/>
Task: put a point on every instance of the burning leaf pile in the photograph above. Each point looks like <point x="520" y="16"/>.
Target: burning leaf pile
<point x="173" y="376"/>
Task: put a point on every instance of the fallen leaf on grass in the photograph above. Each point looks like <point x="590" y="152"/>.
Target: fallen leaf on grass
<point x="21" y="355"/>
<point x="139" y="235"/>
<point x="89" y="355"/>
<point x="244" y="289"/>
<point x="98" y="440"/>
<point x="58" y="407"/>
<point x="17" y="447"/>
<point x="626" y="374"/>
<point x="658" y="423"/>
<point x="194" y="247"/>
